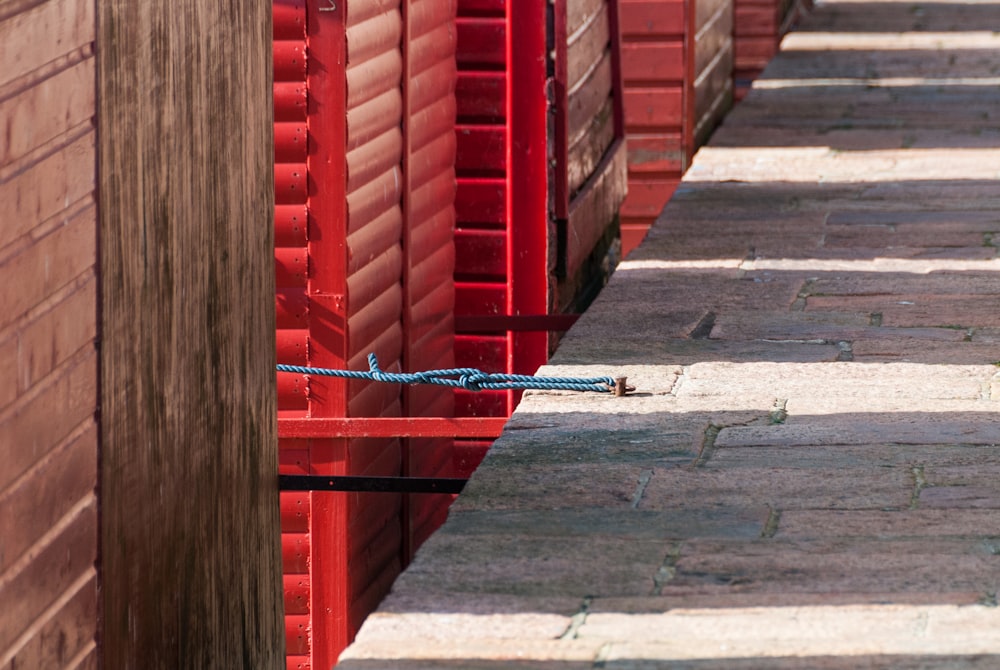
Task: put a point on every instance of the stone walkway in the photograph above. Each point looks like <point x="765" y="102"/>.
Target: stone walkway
<point x="808" y="475"/>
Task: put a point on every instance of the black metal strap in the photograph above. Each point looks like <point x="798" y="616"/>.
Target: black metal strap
<point x="371" y="484"/>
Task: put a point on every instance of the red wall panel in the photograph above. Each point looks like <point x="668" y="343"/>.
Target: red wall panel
<point x="677" y="65"/>
<point x="758" y="28"/>
<point x="657" y="40"/>
<point x="539" y="132"/>
<point x="482" y="199"/>
<point x="365" y="151"/>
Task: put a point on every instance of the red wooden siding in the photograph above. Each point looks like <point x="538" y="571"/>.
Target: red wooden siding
<point x="541" y="173"/>
<point x="657" y="69"/>
<point x="677" y="59"/>
<point x="483" y="230"/>
<point x="428" y="246"/>
<point x="291" y="276"/>
<point x="48" y="435"/>
<point x="758" y="28"/>
<point x="482" y="233"/>
<point x="370" y="272"/>
<point x="374" y="289"/>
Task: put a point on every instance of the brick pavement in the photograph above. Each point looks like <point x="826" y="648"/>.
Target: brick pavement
<point x="808" y="475"/>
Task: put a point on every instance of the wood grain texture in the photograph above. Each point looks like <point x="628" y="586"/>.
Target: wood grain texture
<point x="191" y="560"/>
<point x="713" y="63"/>
<point x="595" y="208"/>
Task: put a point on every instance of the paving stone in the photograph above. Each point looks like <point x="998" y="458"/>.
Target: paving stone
<point x="976" y="523"/>
<point x="500" y="560"/>
<point x="473" y="654"/>
<point x="928" y="353"/>
<point x="829" y="326"/>
<point x="932" y="194"/>
<point x="571" y="485"/>
<point x="907" y="241"/>
<point x="864" y="262"/>
<point x="978" y="221"/>
<point x="940" y="461"/>
<point x="660" y="441"/>
<point x="738" y="600"/>
<point x="951" y="473"/>
<point x="960" y="497"/>
<point x="845" y="662"/>
<point x="929" y="430"/>
<point x="859" y="387"/>
<point x="780" y="486"/>
<point x="363" y="657"/>
<point x="917" y="311"/>
<point x="783" y="571"/>
<point x="804" y="631"/>
<point x="689" y="351"/>
<point x="446" y="626"/>
<point x="986" y="336"/>
<point x="635" y="525"/>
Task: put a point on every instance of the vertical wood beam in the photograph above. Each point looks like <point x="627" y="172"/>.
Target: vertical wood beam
<point x="190" y="559"/>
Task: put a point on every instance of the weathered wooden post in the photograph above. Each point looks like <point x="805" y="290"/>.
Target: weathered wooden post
<point x="189" y="564"/>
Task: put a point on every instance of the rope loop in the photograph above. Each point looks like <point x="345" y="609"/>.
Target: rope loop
<point x="469" y="379"/>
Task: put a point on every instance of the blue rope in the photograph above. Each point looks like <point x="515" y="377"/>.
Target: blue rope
<point x="465" y="378"/>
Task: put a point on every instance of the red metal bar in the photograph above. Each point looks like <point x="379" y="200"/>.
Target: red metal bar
<point x="334" y="427"/>
<point x="327" y="288"/>
<point x="406" y="465"/>
<point x="528" y="176"/>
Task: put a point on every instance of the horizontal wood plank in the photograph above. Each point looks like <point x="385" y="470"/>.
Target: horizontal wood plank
<point x="67" y="25"/>
<point x="67" y="633"/>
<point x="653" y="109"/>
<point x="66" y="556"/>
<point x="646" y="62"/>
<point x="589" y="96"/>
<point x="651" y="18"/>
<point x="589" y="146"/>
<point x="580" y="12"/>
<point x="48" y="491"/>
<point x="31" y="427"/>
<point x="587" y="46"/>
<point x="595" y="208"/>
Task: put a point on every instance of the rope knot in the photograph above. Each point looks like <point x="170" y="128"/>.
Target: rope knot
<point x="474" y="381"/>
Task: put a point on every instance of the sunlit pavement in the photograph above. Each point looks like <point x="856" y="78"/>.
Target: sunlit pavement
<point x="808" y="473"/>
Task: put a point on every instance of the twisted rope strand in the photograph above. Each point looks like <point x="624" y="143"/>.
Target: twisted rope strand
<point x="466" y="378"/>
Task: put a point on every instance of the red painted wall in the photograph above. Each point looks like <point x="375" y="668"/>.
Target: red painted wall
<point x="758" y="28"/>
<point x="677" y="65"/>
<point x="365" y="153"/>
<point x="657" y="70"/>
<point x="541" y="173"/>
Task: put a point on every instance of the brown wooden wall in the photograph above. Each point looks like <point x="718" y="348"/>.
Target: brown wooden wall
<point x="713" y="67"/>
<point x="190" y="554"/>
<point x="591" y="188"/>
<point x="48" y="324"/>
